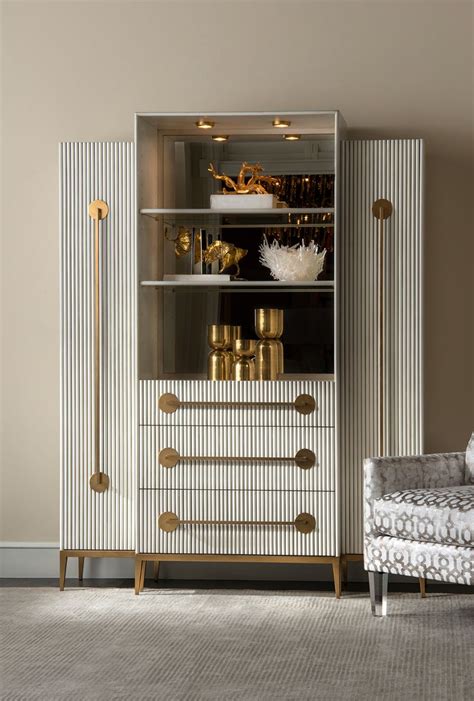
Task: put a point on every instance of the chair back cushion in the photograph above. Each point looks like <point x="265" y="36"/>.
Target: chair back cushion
<point x="469" y="475"/>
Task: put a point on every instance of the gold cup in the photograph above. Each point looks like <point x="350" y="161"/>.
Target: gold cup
<point x="243" y="367"/>
<point x="219" y="336"/>
<point x="269" y="323"/>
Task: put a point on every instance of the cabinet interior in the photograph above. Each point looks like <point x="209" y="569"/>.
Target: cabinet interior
<point x="173" y="194"/>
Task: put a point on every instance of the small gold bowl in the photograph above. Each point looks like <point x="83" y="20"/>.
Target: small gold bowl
<point x="269" y="323"/>
<point x="219" y="336"/>
<point x="244" y="347"/>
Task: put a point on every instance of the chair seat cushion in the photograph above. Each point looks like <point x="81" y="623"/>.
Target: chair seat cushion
<point x="443" y="515"/>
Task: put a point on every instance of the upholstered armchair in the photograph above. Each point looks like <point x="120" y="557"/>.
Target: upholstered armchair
<point x="419" y="520"/>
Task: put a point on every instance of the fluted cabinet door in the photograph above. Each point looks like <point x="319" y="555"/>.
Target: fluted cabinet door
<point x="370" y="170"/>
<point x="90" y="171"/>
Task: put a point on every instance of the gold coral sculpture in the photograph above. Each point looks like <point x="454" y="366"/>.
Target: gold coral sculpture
<point x="253" y="186"/>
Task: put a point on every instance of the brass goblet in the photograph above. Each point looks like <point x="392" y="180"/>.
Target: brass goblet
<point x="219" y="336"/>
<point x="269" y="356"/>
<point x="243" y="367"/>
<point x="269" y="323"/>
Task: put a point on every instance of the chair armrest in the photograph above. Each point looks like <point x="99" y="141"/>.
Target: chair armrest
<point x="391" y="474"/>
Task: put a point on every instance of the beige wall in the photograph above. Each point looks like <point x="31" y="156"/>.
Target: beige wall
<point x="78" y="71"/>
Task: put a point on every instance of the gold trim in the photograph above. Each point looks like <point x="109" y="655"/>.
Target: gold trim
<point x="267" y="559"/>
<point x="64" y="555"/>
<point x="169" y="522"/>
<point x="303" y="404"/>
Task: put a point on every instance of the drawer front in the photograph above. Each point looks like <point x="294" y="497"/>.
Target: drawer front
<point x="260" y="445"/>
<point x="236" y="539"/>
<point x="275" y="403"/>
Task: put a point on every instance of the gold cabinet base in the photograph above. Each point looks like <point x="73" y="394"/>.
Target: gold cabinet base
<point x="141" y="560"/>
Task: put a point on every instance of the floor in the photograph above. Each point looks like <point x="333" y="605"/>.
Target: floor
<point x="180" y="642"/>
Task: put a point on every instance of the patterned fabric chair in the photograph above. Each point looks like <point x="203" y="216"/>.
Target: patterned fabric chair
<point x="419" y="520"/>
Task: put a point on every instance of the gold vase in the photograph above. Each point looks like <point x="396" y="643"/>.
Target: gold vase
<point x="243" y="367"/>
<point x="269" y="360"/>
<point x="219" y="362"/>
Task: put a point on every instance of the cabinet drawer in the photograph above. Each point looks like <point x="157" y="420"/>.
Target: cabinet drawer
<point x="236" y="403"/>
<point x="236" y="538"/>
<point x="264" y="458"/>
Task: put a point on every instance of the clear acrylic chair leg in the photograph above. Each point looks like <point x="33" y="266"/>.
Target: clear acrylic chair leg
<point x="378" y="582"/>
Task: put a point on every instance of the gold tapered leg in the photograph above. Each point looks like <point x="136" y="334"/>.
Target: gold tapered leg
<point x="62" y="570"/>
<point x="142" y="575"/>
<point x="80" y="567"/>
<point x="138" y="572"/>
<point x="156" y="569"/>
<point x="422" y="581"/>
<point x="336" y="573"/>
<point x="344" y="568"/>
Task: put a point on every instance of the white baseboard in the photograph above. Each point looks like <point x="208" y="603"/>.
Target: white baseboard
<point x="41" y="560"/>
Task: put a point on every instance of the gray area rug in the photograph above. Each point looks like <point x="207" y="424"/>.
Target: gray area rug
<point x="172" y="644"/>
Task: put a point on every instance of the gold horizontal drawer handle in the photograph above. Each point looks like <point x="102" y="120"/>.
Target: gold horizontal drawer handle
<point x="169" y="457"/>
<point x="169" y="522"/>
<point x="303" y="404"/>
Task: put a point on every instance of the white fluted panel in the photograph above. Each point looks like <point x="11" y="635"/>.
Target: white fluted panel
<point x="370" y="170"/>
<point x="92" y="171"/>
<point x="238" y="505"/>
<point x="271" y="392"/>
<point x="220" y="441"/>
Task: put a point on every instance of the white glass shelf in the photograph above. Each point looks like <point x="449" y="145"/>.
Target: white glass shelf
<point x="227" y="218"/>
<point x="269" y="285"/>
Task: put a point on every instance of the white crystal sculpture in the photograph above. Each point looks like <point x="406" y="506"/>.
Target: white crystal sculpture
<point x="296" y="263"/>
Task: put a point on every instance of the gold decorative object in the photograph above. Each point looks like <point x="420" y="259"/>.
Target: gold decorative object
<point x="305" y="459"/>
<point x="382" y="210"/>
<point x="269" y="323"/>
<point x="169" y="522"/>
<point x="182" y="241"/>
<point x="243" y="367"/>
<point x="226" y="253"/>
<point x="269" y="355"/>
<point x="99" y="481"/>
<point x="242" y="187"/>
<point x="219" y="360"/>
<point x="304" y="404"/>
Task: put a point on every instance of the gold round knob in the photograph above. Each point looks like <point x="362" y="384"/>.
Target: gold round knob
<point x="168" y="522"/>
<point x="305" y="404"/>
<point x="168" y="403"/>
<point x="99" y="482"/>
<point x="168" y="457"/>
<point x="305" y="459"/>
<point x="305" y="523"/>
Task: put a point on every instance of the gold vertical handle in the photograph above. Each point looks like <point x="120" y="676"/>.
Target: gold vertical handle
<point x="381" y="209"/>
<point x="98" y="210"/>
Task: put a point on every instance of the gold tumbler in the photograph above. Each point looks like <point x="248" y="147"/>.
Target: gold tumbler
<point x="269" y="323"/>
<point x="243" y="367"/>
<point x="219" y="361"/>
